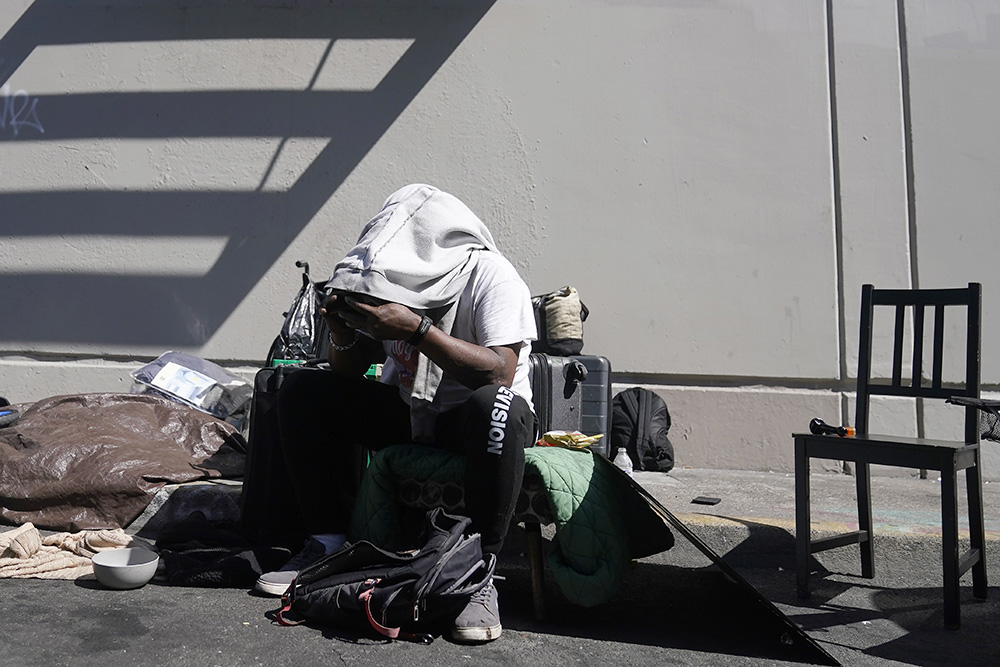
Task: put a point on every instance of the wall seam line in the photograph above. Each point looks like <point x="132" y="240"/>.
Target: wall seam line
<point x="838" y="222"/>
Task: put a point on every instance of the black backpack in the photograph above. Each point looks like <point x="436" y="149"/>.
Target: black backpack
<point x="400" y="594"/>
<point x="639" y="423"/>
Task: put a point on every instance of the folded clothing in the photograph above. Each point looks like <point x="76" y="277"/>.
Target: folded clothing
<point x="25" y="554"/>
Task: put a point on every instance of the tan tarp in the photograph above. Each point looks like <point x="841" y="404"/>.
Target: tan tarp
<point x="92" y="461"/>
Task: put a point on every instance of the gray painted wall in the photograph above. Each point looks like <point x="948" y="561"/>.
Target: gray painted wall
<point x="718" y="179"/>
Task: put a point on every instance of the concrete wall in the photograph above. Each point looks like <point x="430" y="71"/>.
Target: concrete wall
<point x="717" y="178"/>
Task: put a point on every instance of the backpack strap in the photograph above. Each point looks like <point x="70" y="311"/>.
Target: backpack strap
<point x="366" y="597"/>
<point x="392" y="633"/>
<point x="286" y="606"/>
<point x="643" y="416"/>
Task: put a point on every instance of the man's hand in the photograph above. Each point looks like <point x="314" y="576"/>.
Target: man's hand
<point x="388" y="321"/>
<point x="333" y="309"/>
<point x="350" y="354"/>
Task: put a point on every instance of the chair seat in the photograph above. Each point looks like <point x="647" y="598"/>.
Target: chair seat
<point x="897" y="451"/>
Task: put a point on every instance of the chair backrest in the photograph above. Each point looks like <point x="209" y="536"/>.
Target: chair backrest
<point x="919" y="301"/>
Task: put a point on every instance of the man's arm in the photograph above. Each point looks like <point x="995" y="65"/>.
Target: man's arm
<point x="472" y="365"/>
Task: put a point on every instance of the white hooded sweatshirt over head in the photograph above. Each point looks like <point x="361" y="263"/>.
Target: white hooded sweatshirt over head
<point x="420" y="251"/>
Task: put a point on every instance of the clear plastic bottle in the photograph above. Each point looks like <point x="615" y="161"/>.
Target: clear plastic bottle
<point x="623" y="462"/>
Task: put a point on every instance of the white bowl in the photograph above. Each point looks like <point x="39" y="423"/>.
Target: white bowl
<point x="125" y="568"/>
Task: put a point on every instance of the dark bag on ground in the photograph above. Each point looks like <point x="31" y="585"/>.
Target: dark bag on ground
<point x="639" y="423"/>
<point x="559" y="318"/>
<point x="213" y="554"/>
<point x="303" y="335"/>
<point x="401" y="595"/>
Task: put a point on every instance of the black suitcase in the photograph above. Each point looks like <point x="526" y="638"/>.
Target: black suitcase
<point x="573" y="394"/>
<point x="268" y="514"/>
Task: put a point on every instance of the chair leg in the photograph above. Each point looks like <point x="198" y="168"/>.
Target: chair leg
<point x="949" y="547"/>
<point x="863" y="478"/>
<point x="977" y="529"/>
<point x="803" y="522"/>
<point x="536" y="567"/>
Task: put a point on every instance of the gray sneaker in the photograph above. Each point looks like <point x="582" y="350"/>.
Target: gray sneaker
<point x="480" y="620"/>
<point x="277" y="582"/>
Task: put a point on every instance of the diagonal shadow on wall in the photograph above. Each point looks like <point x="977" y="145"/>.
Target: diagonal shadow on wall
<point x="177" y="311"/>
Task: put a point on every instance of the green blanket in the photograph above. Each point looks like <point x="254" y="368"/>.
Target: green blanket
<point x="601" y="523"/>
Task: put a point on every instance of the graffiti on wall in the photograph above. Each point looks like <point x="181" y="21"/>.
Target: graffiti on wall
<point x="18" y="111"/>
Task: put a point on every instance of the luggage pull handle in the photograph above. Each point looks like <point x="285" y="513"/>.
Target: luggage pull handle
<point x="575" y="373"/>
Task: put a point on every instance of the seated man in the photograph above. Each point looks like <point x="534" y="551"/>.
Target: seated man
<point x="426" y="287"/>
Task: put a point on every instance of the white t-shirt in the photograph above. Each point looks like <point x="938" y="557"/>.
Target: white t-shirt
<point x="494" y="309"/>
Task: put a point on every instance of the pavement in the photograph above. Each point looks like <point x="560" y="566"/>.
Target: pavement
<point x="676" y="608"/>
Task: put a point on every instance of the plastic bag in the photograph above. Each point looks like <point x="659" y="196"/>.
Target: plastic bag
<point x="303" y="335"/>
<point x="568" y="439"/>
<point x="193" y="381"/>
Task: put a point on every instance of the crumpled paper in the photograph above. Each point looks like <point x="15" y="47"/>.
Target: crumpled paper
<point x="567" y="439"/>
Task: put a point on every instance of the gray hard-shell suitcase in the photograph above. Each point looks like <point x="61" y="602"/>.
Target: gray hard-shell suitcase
<point x="573" y="394"/>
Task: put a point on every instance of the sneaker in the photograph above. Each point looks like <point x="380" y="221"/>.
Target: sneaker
<point x="277" y="582"/>
<point x="480" y="620"/>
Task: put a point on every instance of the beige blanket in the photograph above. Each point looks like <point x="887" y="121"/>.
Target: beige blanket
<point x="25" y="554"/>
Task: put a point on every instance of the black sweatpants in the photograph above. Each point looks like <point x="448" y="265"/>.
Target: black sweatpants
<point x="327" y="422"/>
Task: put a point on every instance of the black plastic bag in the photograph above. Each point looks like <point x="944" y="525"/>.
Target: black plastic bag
<point x="304" y="333"/>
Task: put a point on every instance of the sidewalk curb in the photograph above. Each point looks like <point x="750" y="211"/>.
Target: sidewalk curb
<point x="823" y="527"/>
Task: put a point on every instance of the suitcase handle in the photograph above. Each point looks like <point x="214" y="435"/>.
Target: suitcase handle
<point x="575" y="373"/>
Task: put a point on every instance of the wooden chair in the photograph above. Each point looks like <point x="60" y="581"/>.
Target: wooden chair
<point x="865" y="449"/>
